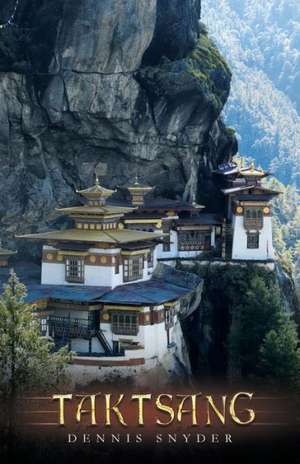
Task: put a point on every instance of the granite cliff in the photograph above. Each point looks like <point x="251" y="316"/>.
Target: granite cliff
<point x="117" y="86"/>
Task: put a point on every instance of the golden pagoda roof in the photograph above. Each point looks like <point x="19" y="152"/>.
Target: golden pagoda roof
<point x="4" y="252"/>
<point x="94" y="236"/>
<point x="139" y="187"/>
<point x="96" y="192"/>
<point x="252" y="171"/>
<point x="96" y="210"/>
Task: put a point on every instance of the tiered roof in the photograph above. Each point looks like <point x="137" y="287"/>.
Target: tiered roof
<point x="96" y="222"/>
<point x="244" y="182"/>
<point x="5" y="253"/>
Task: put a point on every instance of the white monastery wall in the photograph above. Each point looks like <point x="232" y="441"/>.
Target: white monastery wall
<point x="239" y="246"/>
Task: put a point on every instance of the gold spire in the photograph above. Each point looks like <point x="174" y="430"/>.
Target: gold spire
<point x="96" y="195"/>
<point x="252" y="171"/>
<point x="138" y="191"/>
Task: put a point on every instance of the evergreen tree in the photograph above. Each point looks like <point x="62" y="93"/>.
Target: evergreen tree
<point x="280" y="355"/>
<point x="256" y="313"/>
<point x="26" y="359"/>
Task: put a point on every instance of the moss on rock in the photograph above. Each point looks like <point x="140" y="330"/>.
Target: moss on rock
<point x="206" y="64"/>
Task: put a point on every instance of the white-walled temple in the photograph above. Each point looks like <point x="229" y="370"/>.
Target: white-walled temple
<point x="102" y="291"/>
<point x="188" y="232"/>
<point x="98" y="292"/>
<point x="248" y="213"/>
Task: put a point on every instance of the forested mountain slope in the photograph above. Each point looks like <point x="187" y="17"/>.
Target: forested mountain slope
<point x="261" y="41"/>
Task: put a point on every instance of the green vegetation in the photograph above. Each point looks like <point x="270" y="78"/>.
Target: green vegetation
<point x="261" y="43"/>
<point x="280" y="355"/>
<point x="27" y="362"/>
<point x="207" y="65"/>
<point x="249" y="326"/>
<point x="286" y="225"/>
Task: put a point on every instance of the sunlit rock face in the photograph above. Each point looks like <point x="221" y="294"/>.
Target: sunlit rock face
<point x="117" y="86"/>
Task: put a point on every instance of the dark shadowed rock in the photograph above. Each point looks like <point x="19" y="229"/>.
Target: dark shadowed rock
<point x="133" y="85"/>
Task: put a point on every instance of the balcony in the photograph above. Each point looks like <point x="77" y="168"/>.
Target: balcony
<point x="65" y="327"/>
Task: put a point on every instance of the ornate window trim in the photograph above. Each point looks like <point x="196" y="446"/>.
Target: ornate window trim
<point x="150" y="258"/>
<point x="252" y="240"/>
<point x="125" y="323"/>
<point x="74" y="269"/>
<point x="194" y="240"/>
<point x="133" y="267"/>
<point x="253" y="218"/>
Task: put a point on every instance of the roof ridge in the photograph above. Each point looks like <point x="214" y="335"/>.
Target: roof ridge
<point x="109" y="235"/>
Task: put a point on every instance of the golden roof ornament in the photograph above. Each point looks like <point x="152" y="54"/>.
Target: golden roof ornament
<point x="96" y="195"/>
<point x="137" y="185"/>
<point x="252" y="171"/>
<point x="138" y="191"/>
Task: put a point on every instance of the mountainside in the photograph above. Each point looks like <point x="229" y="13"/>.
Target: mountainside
<point x="261" y="41"/>
<point x="116" y="87"/>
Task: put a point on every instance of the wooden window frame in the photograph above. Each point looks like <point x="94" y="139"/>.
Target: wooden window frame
<point x="150" y="258"/>
<point x="253" y="241"/>
<point x="125" y="323"/>
<point x="194" y="240"/>
<point x="117" y="265"/>
<point x="253" y="218"/>
<point x="43" y="326"/>
<point x="133" y="268"/>
<point x="74" y="269"/>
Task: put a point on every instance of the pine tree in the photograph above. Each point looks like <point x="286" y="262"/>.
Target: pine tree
<point x="254" y="314"/>
<point x="26" y="359"/>
<point x="280" y="354"/>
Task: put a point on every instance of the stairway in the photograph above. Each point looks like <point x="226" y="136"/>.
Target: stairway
<point x="104" y="343"/>
<point x="64" y="339"/>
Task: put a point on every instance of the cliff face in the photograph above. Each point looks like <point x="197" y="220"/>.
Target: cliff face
<point x="114" y="86"/>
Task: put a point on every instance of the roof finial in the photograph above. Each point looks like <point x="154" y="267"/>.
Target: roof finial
<point x="136" y="178"/>
<point x="252" y="166"/>
<point x="97" y="179"/>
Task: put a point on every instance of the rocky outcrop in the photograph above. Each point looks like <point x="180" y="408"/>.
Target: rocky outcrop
<point x="114" y="86"/>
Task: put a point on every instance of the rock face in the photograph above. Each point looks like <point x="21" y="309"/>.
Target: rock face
<point x="117" y="86"/>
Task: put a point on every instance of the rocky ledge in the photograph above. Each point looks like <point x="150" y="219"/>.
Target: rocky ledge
<point x="114" y="86"/>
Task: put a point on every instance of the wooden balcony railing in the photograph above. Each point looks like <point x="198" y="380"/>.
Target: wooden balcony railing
<point x="60" y="327"/>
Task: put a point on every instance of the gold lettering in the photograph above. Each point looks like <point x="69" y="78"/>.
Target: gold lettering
<point x="61" y="399"/>
<point x="92" y="411"/>
<point x="221" y="416"/>
<point x="182" y="411"/>
<point x="141" y="399"/>
<point x="164" y="408"/>
<point x="232" y="409"/>
<point x="114" y="408"/>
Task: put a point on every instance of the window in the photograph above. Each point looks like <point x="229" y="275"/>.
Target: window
<point x="133" y="268"/>
<point x="167" y="238"/>
<point x="117" y="265"/>
<point x="253" y="240"/>
<point x="253" y="218"/>
<point x="166" y="244"/>
<point x="74" y="269"/>
<point x="169" y="317"/>
<point x="193" y="240"/>
<point x="124" y="323"/>
<point x="151" y="258"/>
<point x="43" y="326"/>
